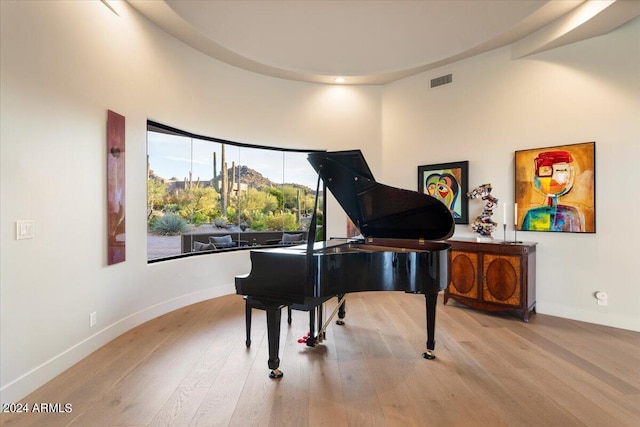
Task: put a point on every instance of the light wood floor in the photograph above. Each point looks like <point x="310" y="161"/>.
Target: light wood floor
<point x="191" y="368"/>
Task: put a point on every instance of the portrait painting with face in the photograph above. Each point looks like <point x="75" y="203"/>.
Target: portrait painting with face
<point x="555" y="188"/>
<point x="446" y="182"/>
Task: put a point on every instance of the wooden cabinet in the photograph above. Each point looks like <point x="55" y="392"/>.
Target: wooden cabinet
<point x="493" y="276"/>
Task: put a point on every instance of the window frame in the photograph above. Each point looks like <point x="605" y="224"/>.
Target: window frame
<point x="153" y="126"/>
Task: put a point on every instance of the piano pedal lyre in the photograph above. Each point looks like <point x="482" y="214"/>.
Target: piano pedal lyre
<point x="308" y="339"/>
<point x="323" y="330"/>
<point x="304" y="338"/>
<point x="311" y="340"/>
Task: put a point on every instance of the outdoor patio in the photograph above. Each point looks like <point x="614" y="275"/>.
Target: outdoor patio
<point x="162" y="246"/>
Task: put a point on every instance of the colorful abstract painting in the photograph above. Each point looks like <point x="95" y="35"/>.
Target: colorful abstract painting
<point x="447" y="182"/>
<point x="115" y="188"/>
<point x="555" y="188"/>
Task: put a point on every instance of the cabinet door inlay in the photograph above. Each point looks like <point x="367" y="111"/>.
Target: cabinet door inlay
<point x="501" y="280"/>
<point x="463" y="274"/>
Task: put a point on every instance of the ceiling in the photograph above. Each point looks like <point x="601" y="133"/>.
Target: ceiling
<point x="376" y="42"/>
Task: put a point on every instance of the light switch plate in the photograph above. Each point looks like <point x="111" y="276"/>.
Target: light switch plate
<point x="25" y="229"/>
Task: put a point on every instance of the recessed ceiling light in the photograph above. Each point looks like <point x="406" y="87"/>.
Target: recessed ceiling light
<point x="340" y="80"/>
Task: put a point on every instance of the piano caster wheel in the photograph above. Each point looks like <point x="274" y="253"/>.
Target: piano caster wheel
<point x="275" y="374"/>
<point x="340" y="322"/>
<point x="429" y="355"/>
<point x="311" y="342"/>
<point x="248" y="343"/>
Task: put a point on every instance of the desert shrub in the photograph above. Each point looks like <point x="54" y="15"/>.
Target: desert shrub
<point x="199" y="218"/>
<point x="284" y="221"/>
<point x="257" y="221"/>
<point x="232" y="215"/>
<point x="168" y="225"/>
<point x="220" y="222"/>
<point x="171" y="208"/>
<point x="198" y="205"/>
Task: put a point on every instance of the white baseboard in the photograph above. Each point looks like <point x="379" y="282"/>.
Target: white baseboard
<point x="27" y="383"/>
<point x="599" y="317"/>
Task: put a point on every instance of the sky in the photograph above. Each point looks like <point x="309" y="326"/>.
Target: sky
<point x="173" y="156"/>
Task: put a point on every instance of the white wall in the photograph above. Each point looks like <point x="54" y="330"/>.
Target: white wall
<point x="64" y="64"/>
<point x="588" y="91"/>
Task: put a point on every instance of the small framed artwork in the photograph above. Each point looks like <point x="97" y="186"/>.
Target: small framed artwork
<point x="447" y="182"/>
<point x="555" y="188"/>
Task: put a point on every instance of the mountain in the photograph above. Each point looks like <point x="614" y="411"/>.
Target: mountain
<point x="251" y="177"/>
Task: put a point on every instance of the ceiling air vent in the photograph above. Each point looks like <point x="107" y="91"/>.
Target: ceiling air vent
<point x="442" y="80"/>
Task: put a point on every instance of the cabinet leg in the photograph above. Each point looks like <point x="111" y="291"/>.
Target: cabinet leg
<point x="526" y="313"/>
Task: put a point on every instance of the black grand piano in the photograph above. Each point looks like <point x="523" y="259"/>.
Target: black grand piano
<point x="400" y="251"/>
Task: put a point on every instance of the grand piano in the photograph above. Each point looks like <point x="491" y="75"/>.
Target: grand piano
<point x="401" y="250"/>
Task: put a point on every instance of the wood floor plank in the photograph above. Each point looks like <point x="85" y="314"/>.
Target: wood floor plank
<point x="290" y="406"/>
<point x="327" y="406"/>
<point x="254" y="404"/>
<point x="363" y="407"/>
<point x="218" y="406"/>
<point x="390" y="378"/>
<point x="180" y="408"/>
<point x="89" y="380"/>
<point x="587" y="411"/>
<point x="191" y="368"/>
<point x="597" y="391"/>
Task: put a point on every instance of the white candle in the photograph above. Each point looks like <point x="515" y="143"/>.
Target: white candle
<point x="515" y="214"/>
<point x="504" y="214"/>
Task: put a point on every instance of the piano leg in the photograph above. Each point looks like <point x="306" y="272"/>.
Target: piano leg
<point x="247" y="308"/>
<point x="431" y="300"/>
<point x="273" y="336"/>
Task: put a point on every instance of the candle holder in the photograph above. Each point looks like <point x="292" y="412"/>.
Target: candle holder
<point x="515" y="224"/>
<point x="515" y="235"/>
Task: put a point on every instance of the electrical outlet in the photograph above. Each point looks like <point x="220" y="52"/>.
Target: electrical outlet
<point x="93" y="319"/>
<point x="601" y="298"/>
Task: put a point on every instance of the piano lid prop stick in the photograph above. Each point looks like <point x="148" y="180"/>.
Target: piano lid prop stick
<point x="335" y="310"/>
<point x="311" y="234"/>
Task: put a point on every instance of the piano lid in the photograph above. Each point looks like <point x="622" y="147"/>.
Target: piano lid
<point x="379" y="210"/>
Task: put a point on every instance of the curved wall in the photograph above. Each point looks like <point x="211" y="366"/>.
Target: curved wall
<point x="64" y="64"/>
